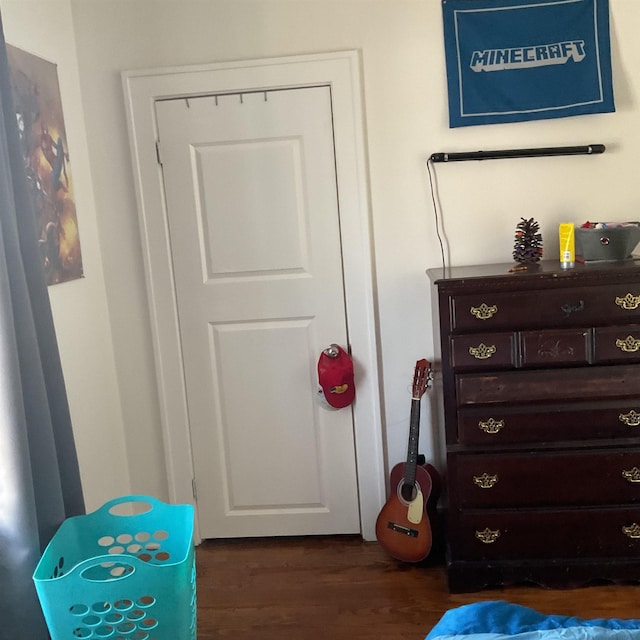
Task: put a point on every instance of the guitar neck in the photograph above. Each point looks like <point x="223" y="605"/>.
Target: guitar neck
<point x="412" y="450"/>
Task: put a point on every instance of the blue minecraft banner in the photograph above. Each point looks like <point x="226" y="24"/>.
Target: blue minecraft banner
<point x="517" y="60"/>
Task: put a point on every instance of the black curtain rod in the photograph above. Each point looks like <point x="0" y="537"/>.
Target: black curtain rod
<point x="518" y="153"/>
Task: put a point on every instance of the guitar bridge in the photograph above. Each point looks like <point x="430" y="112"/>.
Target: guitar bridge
<point x="398" y="528"/>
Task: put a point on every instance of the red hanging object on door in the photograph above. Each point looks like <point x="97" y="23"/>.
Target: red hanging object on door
<point x="335" y="375"/>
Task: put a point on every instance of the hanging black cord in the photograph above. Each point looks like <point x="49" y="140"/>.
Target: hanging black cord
<point x="435" y="212"/>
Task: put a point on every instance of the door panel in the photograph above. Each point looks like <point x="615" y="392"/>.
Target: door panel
<point x="253" y="174"/>
<point x="292" y="424"/>
<point x="255" y="241"/>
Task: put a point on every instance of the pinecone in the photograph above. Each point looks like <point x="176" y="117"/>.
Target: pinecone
<point x="527" y="247"/>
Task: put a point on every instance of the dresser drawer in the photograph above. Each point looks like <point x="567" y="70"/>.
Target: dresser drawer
<point x="491" y="350"/>
<point x="559" y="478"/>
<point x="501" y="350"/>
<point x="617" y="344"/>
<point x="555" y="347"/>
<point x="530" y="534"/>
<point x="560" y="307"/>
<point x="501" y="425"/>
<point x="550" y="385"/>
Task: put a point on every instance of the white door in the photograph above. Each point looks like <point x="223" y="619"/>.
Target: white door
<point x="251" y="200"/>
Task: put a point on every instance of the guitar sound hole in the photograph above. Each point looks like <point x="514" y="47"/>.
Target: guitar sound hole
<point x="408" y="492"/>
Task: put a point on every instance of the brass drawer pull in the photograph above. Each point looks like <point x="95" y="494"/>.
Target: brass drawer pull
<point x="633" y="475"/>
<point x="629" y="302"/>
<point x="631" y="419"/>
<point x="486" y="481"/>
<point x="632" y="531"/>
<point x="484" y="311"/>
<point x="489" y="536"/>
<point x="629" y="344"/>
<point x="482" y="351"/>
<point x="493" y="426"/>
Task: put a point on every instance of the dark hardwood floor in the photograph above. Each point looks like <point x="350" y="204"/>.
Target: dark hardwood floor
<point x="338" y="588"/>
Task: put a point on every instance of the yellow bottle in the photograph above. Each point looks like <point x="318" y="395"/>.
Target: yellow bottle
<point x="567" y="235"/>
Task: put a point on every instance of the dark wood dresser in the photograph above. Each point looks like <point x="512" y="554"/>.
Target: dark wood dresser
<point x="540" y="378"/>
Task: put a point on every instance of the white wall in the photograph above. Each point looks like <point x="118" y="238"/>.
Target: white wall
<point x="406" y="120"/>
<point x="79" y="307"/>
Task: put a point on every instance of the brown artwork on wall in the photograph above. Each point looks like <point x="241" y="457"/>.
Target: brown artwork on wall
<point x="47" y="163"/>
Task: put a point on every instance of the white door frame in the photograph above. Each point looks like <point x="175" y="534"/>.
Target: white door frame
<point x="340" y="71"/>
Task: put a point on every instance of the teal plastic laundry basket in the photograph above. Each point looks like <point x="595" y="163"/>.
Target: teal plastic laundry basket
<point x="120" y="574"/>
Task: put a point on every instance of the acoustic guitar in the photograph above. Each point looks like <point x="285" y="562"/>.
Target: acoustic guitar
<point x="403" y="527"/>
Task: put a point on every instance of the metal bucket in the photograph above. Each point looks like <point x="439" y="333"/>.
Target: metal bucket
<point x="609" y="244"/>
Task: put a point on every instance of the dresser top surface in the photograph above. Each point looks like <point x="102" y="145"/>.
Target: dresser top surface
<point x="543" y="272"/>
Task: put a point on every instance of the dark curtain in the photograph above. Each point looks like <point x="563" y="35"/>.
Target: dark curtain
<point x="39" y="477"/>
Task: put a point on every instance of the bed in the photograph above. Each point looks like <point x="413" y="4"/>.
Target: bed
<point x="500" y="620"/>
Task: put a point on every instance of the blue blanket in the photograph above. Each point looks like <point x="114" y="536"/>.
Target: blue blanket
<point x="499" y="620"/>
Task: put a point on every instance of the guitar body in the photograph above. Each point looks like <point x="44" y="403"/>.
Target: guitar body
<point x="432" y="504"/>
<point x="401" y="528"/>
